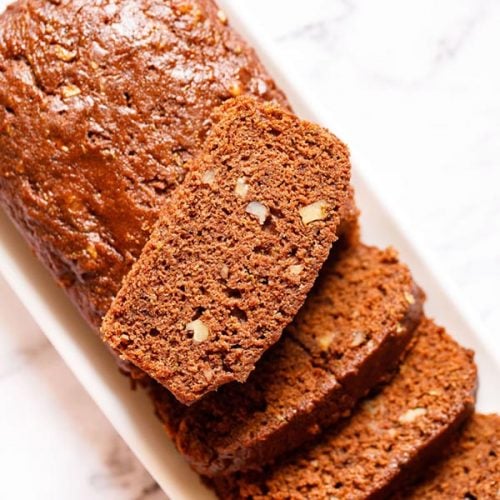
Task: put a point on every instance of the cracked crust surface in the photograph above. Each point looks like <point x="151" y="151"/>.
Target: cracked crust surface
<point x="101" y="106"/>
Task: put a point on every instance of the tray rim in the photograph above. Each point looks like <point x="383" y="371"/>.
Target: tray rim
<point x="91" y="363"/>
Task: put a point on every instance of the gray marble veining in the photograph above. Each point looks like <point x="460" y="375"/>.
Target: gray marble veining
<point x="414" y="85"/>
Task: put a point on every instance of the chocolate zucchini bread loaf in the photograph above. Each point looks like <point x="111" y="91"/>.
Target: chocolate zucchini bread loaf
<point x="101" y="105"/>
<point x="359" y="317"/>
<point x="236" y="249"/>
<point x="470" y="468"/>
<point x="389" y="436"/>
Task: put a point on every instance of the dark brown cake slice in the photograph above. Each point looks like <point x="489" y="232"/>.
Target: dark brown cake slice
<point x="470" y="469"/>
<point x="349" y="234"/>
<point x="388" y="437"/>
<point x="235" y="251"/>
<point x="360" y="316"/>
<point x="102" y="104"/>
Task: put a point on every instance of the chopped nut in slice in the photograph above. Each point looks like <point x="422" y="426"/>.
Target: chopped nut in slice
<point x="411" y="415"/>
<point x="92" y="251"/>
<point x="409" y="298"/>
<point x="235" y="89"/>
<point x="313" y="212"/>
<point x="209" y="375"/>
<point x="325" y="340"/>
<point x="221" y="15"/>
<point x="392" y="433"/>
<point x="241" y="188"/>
<point x="108" y="153"/>
<point x="399" y="328"/>
<point x="199" y="329"/>
<point x="370" y="406"/>
<point x="370" y="345"/>
<point x="224" y="272"/>
<point x="208" y="177"/>
<point x="357" y="339"/>
<point x="70" y="91"/>
<point x="124" y="338"/>
<point x="197" y="15"/>
<point x="296" y="269"/>
<point x="258" y="210"/>
<point x="434" y="392"/>
<point x="64" y="54"/>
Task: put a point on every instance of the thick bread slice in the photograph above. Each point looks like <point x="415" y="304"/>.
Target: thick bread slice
<point x="470" y="469"/>
<point x="348" y="337"/>
<point x="235" y="251"/>
<point x="389" y="437"/>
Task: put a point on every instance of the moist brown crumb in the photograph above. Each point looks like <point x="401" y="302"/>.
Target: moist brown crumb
<point x="374" y="452"/>
<point x="287" y="164"/>
<point x="470" y="468"/>
<point x="298" y="389"/>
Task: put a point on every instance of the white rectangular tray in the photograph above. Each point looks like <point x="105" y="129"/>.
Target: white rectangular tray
<point x="130" y="412"/>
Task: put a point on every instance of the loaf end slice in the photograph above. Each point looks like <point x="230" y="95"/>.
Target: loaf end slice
<point x="235" y="251"/>
<point x="470" y="468"/>
<point x="359" y="322"/>
<point x="388" y="438"/>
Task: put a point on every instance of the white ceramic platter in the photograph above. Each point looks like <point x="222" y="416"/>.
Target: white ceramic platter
<point x="130" y="412"/>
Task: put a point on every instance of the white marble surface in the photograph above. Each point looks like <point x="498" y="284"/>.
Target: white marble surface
<point x="415" y="87"/>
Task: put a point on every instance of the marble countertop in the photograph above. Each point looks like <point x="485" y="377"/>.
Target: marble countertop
<point x="414" y="86"/>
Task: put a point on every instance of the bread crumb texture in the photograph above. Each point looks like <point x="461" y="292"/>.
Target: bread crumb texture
<point x="315" y="373"/>
<point x="470" y="468"/>
<point x="371" y="452"/>
<point x="205" y="227"/>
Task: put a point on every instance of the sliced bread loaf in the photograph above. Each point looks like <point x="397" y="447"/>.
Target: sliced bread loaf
<point x="348" y="337"/>
<point x="235" y="251"/>
<point x="389" y="436"/>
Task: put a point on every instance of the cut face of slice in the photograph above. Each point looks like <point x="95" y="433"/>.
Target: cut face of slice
<point x="348" y="337"/>
<point x="470" y="468"/>
<point x="235" y="251"/>
<point x="388" y="437"/>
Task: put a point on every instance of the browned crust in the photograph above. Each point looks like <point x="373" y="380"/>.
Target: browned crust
<point x="95" y="129"/>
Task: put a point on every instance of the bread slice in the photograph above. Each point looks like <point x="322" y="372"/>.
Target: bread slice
<point x="389" y="436"/>
<point x="348" y="337"/>
<point x="469" y="470"/>
<point x="235" y="251"/>
<point x="349" y="234"/>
